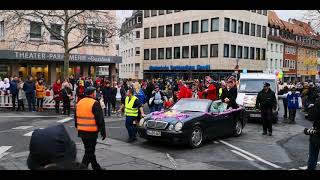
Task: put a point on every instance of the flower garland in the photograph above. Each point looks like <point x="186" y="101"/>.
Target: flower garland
<point x="159" y="115"/>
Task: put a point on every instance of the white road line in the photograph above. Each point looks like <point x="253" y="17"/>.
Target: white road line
<point x="3" y="150"/>
<point x="252" y="155"/>
<point x="242" y="155"/>
<point x="216" y="142"/>
<point x="172" y="161"/>
<point x="303" y="168"/>
<point x="23" y="127"/>
<point x="28" y="134"/>
<point x="65" y="120"/>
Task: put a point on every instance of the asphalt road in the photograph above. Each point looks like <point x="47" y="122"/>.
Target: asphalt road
<point x="286" y="149"/>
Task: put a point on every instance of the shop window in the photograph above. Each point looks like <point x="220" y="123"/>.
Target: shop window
<point x="194" y="51"/>
<point x="35" y="30"/>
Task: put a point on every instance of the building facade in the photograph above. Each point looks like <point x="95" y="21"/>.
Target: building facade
<point x="39" y="59"/>
<point x="274" y="56"/>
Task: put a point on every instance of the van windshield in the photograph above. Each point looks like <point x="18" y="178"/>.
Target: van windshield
<point x="255" y="85"/>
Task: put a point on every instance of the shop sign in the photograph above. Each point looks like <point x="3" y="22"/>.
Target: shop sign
<point x="198" y="67"/>
<point x="47" y="56"/>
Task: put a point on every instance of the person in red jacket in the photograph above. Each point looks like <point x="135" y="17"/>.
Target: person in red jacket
<point x="184" y="92"/>
<point x="57" y="94"/>
<point x="200" y="92"/>
<point x="211" y="91"/>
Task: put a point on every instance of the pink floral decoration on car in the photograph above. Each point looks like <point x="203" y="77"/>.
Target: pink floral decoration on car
<point x="159" y="115"/>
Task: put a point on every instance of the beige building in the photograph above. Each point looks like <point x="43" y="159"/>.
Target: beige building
<point x="195" y="43"/>
<point x="40" y="55"/>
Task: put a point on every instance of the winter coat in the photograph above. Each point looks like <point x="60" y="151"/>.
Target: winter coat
<point x="29" y="87"/>
<point x="13" y="87"/>
<point x="266" y="100"/>
<point x="80" y="93"/>
<point x="21" y="93"/>
<point x="163" y="98"/>
<point x="211" y="92"/>
<point x="107" y="94"/>
<point x="293" y="100"/>
<point x="184" y="93"/>
<point x="40" y="90"/>
<point x="231" y="94"/>
<point x="65" y="92"/>
<point x="141" y="96"/>
<point x="57" y="92"/>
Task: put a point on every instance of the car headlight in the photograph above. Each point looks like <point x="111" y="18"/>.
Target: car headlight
<point x="141" y="122"/>
<point x="170" y="127"/>
<point x="178" y="126"/>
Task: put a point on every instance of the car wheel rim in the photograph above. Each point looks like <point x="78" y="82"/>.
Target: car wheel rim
<point x="238" y="127"/>
<point x="196" y="137"/>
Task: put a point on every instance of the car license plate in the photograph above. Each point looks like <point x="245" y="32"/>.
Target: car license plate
<point x="154" y="133"/>
<point x="255" y="115"/>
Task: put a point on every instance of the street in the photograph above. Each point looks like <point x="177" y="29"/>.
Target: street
<point x="287" y="149"/>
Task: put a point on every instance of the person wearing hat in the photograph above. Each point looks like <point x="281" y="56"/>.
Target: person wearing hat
<point x="89" y="121"/>
<point x="266" y="102"/>
<point x="229" y="93"/>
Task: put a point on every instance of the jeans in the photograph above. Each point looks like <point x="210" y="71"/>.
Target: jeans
<point x="39" y="102"/>
<point x="89" y="155"/>
<point x="131" y="128"/>
<point x="56" y="106"/>
<point x="266" y="115"/>
<point x="313" y="155"/>
<point x="14" y="98"/>
<point x="156" y="107"/>
<point x="31" y="101"/>
<point x="108" y="108"/>
<point x="292" y="114"/>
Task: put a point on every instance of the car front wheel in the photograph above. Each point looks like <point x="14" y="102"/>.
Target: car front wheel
<point x="196" y="137"/>
<point x="238" y="128"/>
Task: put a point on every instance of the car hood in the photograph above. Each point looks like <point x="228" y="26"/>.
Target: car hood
<point x="173" y="116"/>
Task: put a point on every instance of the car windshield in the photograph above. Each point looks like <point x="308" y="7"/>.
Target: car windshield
<point x="191" y="105"/>
<point x="254" y="85"/>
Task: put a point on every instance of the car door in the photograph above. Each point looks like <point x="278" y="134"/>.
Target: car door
<point x="227" y="123"/>
<point x="215" y="124"/>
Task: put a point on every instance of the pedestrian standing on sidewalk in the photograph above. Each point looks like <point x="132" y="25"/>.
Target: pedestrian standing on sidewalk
<point x="29" y="88"/>
<point x="131" y="106"/>
<point x="89" y="121"/>
<point x="14" y="92"/>
<point x="107" y="96"/>
<point x="294" y="103"/>
<point x="66" y="97"/>
<point x="120" y="97"/>
<point x="80" y="91"/>
<point x="266" y="103"/>
<point x="72" y="81"/>
<point x="57" y="94"/>
<point x="21" y="95"/>
<point x="40" y="92"/>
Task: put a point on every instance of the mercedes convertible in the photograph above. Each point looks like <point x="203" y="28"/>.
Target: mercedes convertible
<point x="192" y="121"/>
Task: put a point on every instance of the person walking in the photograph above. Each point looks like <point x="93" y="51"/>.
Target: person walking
<point x="89" y="121"/>
<point x="14" y="92"/>
<point x="40" y="92"/>
<point x="57" y="94"/>
<point x="21" y="95"/>
<point x="229" y="94"/>
<point x="282" y="92"/>
<point x="131" y="107"/>
<point x="294" y="102"/>
<point x="107" y="97"/>
<point x="66" y="97"/>
<point x="29" y="88"/>
<point x="266" y="102"/>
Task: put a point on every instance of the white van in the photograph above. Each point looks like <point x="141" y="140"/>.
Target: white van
<point x="250" y="84"/>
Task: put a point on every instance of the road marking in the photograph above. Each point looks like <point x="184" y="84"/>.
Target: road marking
<point x="65" y="120"/>
<point x="3" y="150"/>
<point x="242" y="155"/>
<point x="29" y="116"/>
<point x="216" y="142"/>
<point x="303" y="168"/>
<point x="252" y="155"/>
<point x="23" y="127"/>
<point x="293" y="169"/>
<point x="318" y="162"/>
<point x="28" y="134"/>
<point x="172" y="161"/>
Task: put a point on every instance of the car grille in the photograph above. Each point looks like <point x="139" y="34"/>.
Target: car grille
<point x="250" y="108"/>
<point x="156" y="124"/>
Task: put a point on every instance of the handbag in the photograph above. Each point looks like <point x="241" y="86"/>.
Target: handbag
<point x="102" y="103"/>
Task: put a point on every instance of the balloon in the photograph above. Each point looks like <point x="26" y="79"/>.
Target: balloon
<point x="277" y="73"/>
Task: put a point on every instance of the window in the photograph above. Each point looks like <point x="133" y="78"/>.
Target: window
<point x="146" y="13"/>
<point x="204" y="51"/>
<point x="234" y="26"/>
<point x="259" y="11"/>
<point x="258" y="31"/>
<point x="214" y="50"/>
<point x="227" y="24"/>
<point x="239" y="52"/>
<point x="195" y="27"/>
<point x="153" y="54"/>
<point x="263" y="54"/>
<point x="161" y="31"/>
<point x="139" y="19"/>
<point x="257" y="53"/>
<point x="35" y="30"/>
<point x="253" y="11"/>
<point x="153" y="32"/>
<point x="146" y="54"/>
<point x="1" y="28"/>
<point x="177" y="53"/>
<point x="276" y="48"/>
<point x="264" y="12"/>
<point x="246" y="28"/>
<point x="264" y="31"/>
<point x="251" y="52"/>
<point x="253" y="29"/>
<point x="177" y="28"/>
<point x="271" y="64"/>
<point x="137" y="51"/>
<point x="240" y="27"/>
<point x="169" y="30"/>
<point x="177" y="10"/>
<point x="131" y="52"/>
<point x="161" y="12"/>
<point x="226" y="50"/>
<point x="204" y="25"/>
<point x="55" y="33"/>
<point x="246" y="52"/>
<point x="153" y="12"/>
<point x="146" y="33"/>
<point x="194" y="51"/>
<point x="160" y="53"/>
<point x="185" y="52"/>
<point x="168" y="11"/>
<point x="280" y="66"/>
<point x="233" y="51"/>
<point x="96" y="35"/>
<point x="137" y="34"/>
<point x="169" y="53"/>
<point x="271" y="47"/>
<point x="215" y="24"/>
<point x="186" y="28"/>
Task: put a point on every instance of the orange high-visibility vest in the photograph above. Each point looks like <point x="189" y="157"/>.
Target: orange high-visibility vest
<point x="85" y="117"/>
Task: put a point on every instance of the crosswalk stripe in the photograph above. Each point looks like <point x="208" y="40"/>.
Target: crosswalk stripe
<point x="304" y="167"/>
<point x="293" y="169"/>
<point x="23" y="127"/>
<point x="65" y="120"/>
<point x="242" y="155"/>
<point x="3" y="150"/>
<point x="28" y="134"/>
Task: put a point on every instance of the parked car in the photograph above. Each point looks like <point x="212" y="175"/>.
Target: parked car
<point x="192" y="121"/>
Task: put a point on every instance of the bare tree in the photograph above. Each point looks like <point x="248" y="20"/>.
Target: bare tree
<point x="69" y="29"/>
<point x="313" y="16"/>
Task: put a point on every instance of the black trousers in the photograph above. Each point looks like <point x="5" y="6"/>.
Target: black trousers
<point x="66" y="107"/>
<point x="89" y="155"/>
<point x="292" y="114"/>
<point x="14" y="98"/>
<point x="285" y="107"/>
<point x="267" y="116"/>
<point x="20" y="104"/>
<point x="40" y="102"/>
<point x="56" y="106"/>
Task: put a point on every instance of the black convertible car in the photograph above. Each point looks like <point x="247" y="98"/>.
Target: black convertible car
<point x="192" y="121"/>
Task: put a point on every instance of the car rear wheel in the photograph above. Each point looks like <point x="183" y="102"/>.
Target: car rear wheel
<point x="196" y="137"/>
<point x="238" y="128"/>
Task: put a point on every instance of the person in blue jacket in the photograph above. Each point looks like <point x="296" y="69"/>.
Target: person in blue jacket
<point x="294" y="103"/>
<point x="29" y="88"/>
<point x="14" y="91"/>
